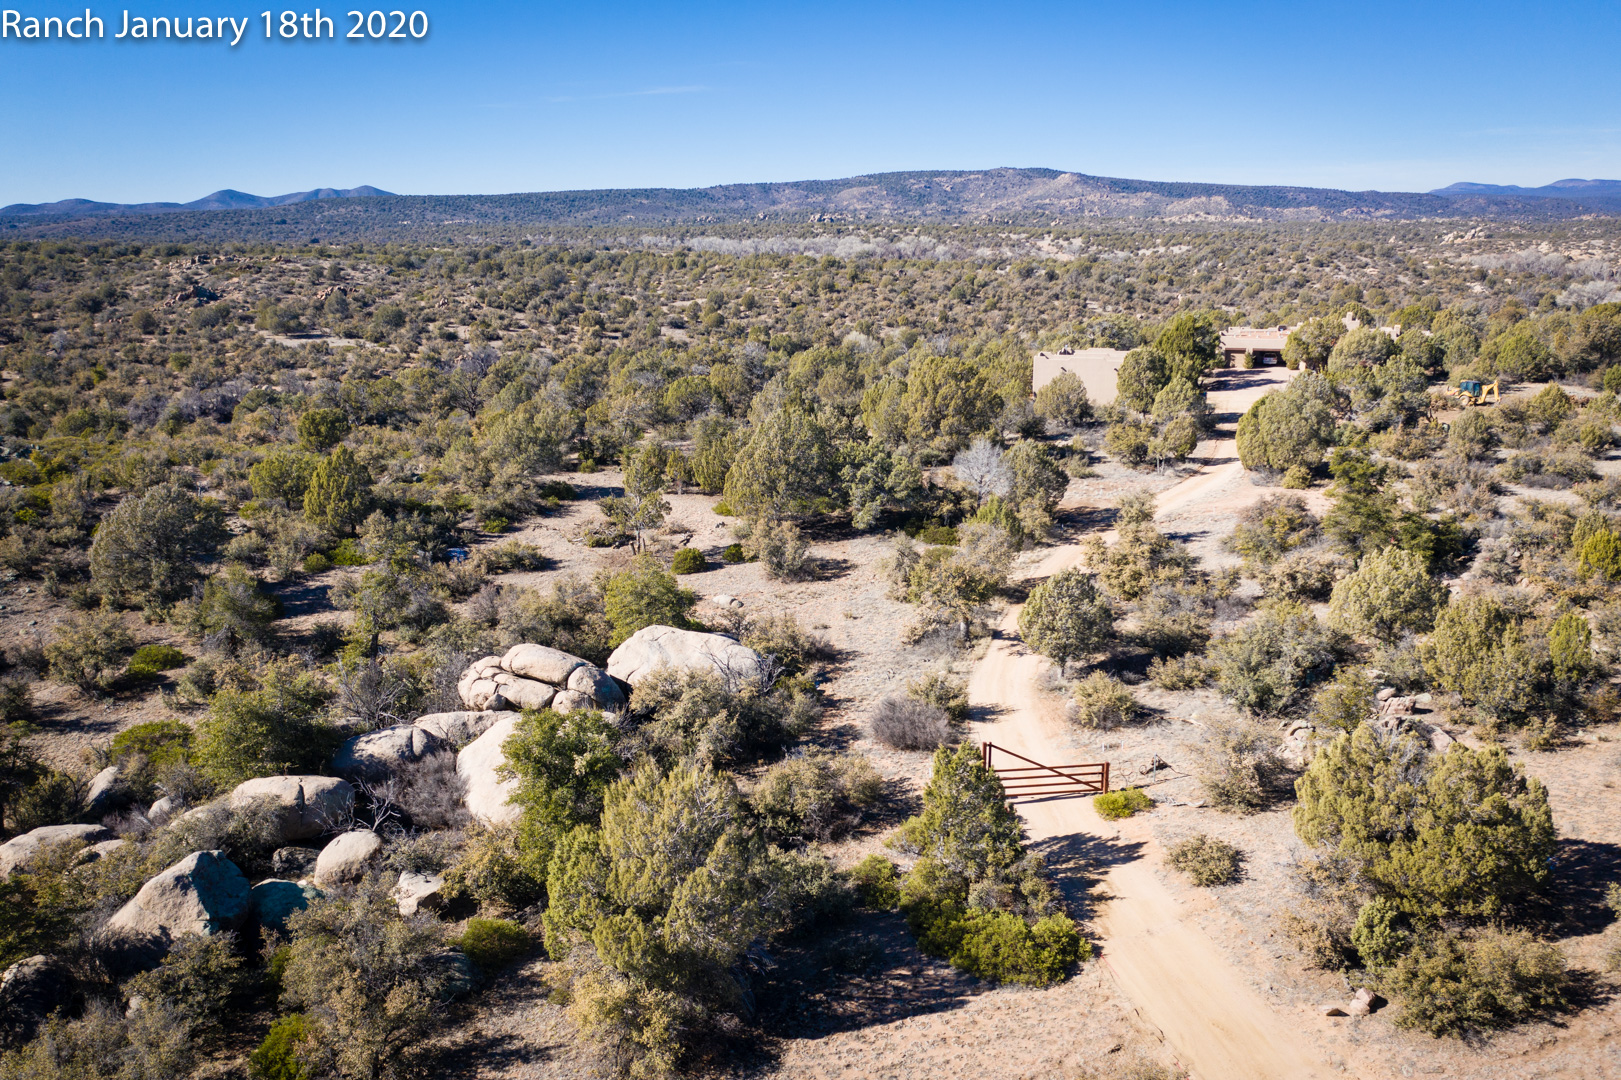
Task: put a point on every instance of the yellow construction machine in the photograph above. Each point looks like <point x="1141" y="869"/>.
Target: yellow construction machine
<point x="1468" y="392"/>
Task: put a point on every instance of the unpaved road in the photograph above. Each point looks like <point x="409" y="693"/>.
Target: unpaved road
<point x="1217" y="1024"/>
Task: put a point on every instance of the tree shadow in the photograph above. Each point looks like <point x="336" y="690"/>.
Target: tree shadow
<point x="1082" y="519"/>
<point x="827" y="568"/>
<point x="1574" y="902"/>
<point x="79" y="717"/>
<point x="863" y="973"/>
<point x="305" y="597"/>
<point x="1078" y="861"/>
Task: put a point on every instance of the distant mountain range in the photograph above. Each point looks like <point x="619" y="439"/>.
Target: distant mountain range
<point x="226" y="199"/>
<point x="1021" y="197"/>
<point x="1559" y="189"/>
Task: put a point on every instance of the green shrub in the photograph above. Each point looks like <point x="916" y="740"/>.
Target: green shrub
<point x="1297" y="477"/>
<point x="53" y="799"/>
<point x="1482" y="650"/>
<point x="278" y="728"/>
<point x="1267" y="663"/>
<point x="687" y="561"/>
<point x="1002" y="947"/>
<point x="698" y="713"/>
<point x="938" y="534"/>
<point x="277" y="1057"/>
<point x="348" y="553"/>
<point x="87" y="650"/>
<point x="1345" y="701"/>
<point x="783" y="551"/>
<point x="643" y="596"/>
<point x="1103" y="701"/>
<point x="493" y="943"/>
<point x="781" y="636"/>
<point x="1271" y="528"/>
<point x="1451" y="985"/>
<point x="1464" y="833"/>
<point x="149" y="660"/>
<point x="1390" y="593"/>
<point x="1067" y="617"/>
<point x="877" y="882"/>
<point x="316" y="563"/>
<point x="563" y="764"/>
<point x="816" y="795"/>
<point x="943" y="692"/>
<point x="1181" y="673"/>
<point x="494" y="870"/>
<point x="1121" y="804"/>
<point x="734" y="554"/>
<point x="1206" y="860"/>
<point x="158" y="743"/>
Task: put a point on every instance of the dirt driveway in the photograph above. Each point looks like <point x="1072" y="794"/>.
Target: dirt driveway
<point x="1217" y="1023"/>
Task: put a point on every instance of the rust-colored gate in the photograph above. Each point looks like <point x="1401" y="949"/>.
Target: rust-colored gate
<point x="1033" y="779"/>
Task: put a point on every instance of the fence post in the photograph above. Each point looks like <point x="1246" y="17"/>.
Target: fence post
<point x="987" y="752"/>
<point x="1105" y="776"/>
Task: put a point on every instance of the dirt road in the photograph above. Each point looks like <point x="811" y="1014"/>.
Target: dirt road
<point x="1218" y="1024"/>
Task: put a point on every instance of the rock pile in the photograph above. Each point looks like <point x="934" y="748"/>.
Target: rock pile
<point x="536" y="677"/>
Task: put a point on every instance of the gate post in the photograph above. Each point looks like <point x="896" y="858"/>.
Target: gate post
<point x="987" y="751"/>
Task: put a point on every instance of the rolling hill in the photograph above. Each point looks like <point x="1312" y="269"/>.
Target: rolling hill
<point x="1024" y="197"/>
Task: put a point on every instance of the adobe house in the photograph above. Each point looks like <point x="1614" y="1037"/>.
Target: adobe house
<point x="1265" y="343"/>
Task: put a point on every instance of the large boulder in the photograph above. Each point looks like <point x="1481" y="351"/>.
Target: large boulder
<point x="19" y="849"/>
<point x="30" y="991"/>
<point x="204" y="893"/>
<point x="346" y="860"/>
<point x="568" y="701"/>
<point x="274" y="901"/>
<point x="597" y="685"/>
<point x="419" y="892"/>
<point x="654" y="647"/>
<point x="457" y="728"/>
<point x="378" y="754"/>
<point x="487" y="793"/>
<point x="105" y="794"/>
<point x="165" y="808"/>
<point x="99" y="851"/>
<point x="541" y="663"/>
<point x="306" y="805"/>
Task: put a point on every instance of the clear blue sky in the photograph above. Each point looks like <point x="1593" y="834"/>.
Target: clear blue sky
<point x="523" y="97"/>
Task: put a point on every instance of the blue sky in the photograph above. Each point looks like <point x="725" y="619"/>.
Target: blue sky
<point x="523" y="97"/>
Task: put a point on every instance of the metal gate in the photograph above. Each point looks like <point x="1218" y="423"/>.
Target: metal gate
<point x="1033" y="779"/>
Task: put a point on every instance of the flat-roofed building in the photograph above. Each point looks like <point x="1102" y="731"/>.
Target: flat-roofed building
<point x="1265" y="343"/>
<point x="1096" y="368"/>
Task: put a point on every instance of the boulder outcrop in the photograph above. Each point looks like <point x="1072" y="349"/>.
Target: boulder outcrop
<point x="306" y="805"/>
<point x="274" y="901"/>
<point x="346" y="860"/>
<point x="487" y="792"/>
<point x="654" y="647"/>
<point x="19" y="849"/>
<point x="530" y="676"/>
<point x="377" y="755"/>
<point x="204" y="893"/>
<point x="457" y="728"/>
